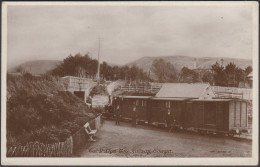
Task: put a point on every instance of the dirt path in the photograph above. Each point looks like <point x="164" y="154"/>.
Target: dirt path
<point x="142" y="141"/>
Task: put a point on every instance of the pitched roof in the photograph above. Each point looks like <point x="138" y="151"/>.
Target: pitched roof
<point x="188" y="90"/>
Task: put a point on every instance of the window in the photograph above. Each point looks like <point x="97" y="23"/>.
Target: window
<point x="143" y="103"/>
<point x="168" y="104"/>
<point x="174" y="104"/>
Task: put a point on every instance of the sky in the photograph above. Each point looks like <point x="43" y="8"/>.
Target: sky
<point x="127" y="32"/>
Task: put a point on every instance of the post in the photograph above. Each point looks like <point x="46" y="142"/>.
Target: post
<point x="98" y="74"/>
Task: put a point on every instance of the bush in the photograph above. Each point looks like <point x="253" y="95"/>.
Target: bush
<point x="99" y="90"/>
<point x="38" y="110"/>
<point x="28" y="76"/>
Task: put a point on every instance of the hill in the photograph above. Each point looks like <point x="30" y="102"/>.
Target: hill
<point x="185" y="61"/>
<point x="37" y="67"/>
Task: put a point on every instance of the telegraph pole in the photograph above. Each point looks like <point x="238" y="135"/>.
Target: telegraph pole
<point x="98" y="74"/>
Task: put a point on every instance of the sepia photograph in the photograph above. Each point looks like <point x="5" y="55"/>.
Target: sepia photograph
<point x="129" y="83"/>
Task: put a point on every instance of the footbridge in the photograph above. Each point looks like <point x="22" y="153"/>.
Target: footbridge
<point x="81" y="87"/>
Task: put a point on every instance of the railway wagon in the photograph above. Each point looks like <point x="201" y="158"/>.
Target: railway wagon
<point x="166" y="109"/>
<point x="227" y="116"/>
<point x="142" y="104"/>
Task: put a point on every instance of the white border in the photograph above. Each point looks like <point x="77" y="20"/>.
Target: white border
<point x="132" y="161"/>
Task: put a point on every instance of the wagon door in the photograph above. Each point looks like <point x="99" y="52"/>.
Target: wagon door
<point x="244" y="115"/>
<point x="220" y="117"/>
<point x="200" y="114"/>
<point x="226" y="116"/>
<point x="188" y="113"/>
<point x="149" y="110"/>
<point x="210" y="115"/>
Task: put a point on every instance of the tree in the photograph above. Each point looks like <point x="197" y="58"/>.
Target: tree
<point x="77" y="65"/>
<point x="84" y="66"/>
<point x="240" y="76"/>
<point x="248" y="70"/>
<point x="20" y="69"/>
<point x="133" y="73"/>
<point x="124" y="73"/>
<point x="188" y="75"/>
<point x="165" y="72"/>
<point x="230" y="71"/>
<point x="208" y="77"/>
<point x="219" y="75"/>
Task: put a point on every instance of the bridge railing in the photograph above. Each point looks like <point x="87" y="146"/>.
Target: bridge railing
<point x="144" y="89"/>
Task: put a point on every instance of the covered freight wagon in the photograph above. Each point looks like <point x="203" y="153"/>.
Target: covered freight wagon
<point x="142" y="103"/>
<point x="167" y="109"/>
<point x="174" y="97"/>
<point x="188" y="106"/>
<point x="228" y="116"/>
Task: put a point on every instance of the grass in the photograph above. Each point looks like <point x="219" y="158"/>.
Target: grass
<point x="39" y="109"/>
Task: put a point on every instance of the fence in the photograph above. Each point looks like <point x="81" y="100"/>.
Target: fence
<point x="114" y="85"/>
<point x="60" y="149"/>
<point x="152" y="88"/>
<point x="232" y="92"/>
<point x="222" y="92"/>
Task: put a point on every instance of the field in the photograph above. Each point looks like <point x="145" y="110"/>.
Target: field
<point x="142" y="141"/>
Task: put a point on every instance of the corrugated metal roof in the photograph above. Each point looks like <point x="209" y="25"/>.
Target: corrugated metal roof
<point x="187" y="90"/>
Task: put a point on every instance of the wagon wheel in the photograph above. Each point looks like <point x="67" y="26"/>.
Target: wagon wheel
<point x="200" y="132"/>
<point x="208" y="132"/>
<point x="219" y="134"/>
<point x="231" y="134"/>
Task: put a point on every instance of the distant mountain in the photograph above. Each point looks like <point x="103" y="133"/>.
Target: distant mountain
<point x="37" y="66"/>
<point x="185" y="61"/>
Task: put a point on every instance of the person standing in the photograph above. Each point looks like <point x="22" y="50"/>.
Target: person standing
<point x="168" y="119"/>
<point x="114" y="105"/>
<point x="134" y="116"/>
<point x="118" y="115"/>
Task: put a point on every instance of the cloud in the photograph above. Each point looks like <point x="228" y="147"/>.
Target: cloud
<point x="128" y="32"/>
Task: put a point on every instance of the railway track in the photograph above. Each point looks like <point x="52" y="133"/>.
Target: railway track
<point x="243" y="136"/>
